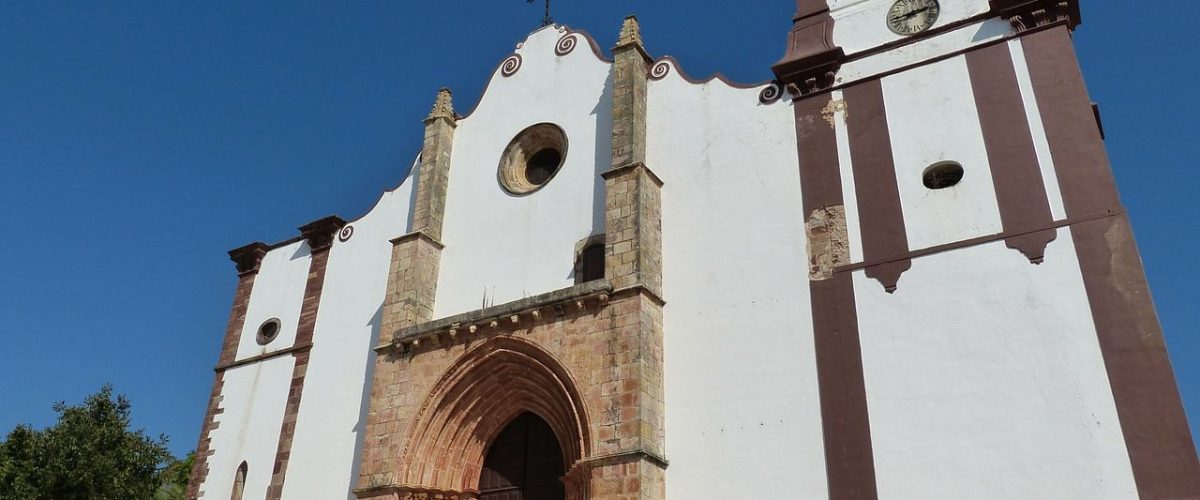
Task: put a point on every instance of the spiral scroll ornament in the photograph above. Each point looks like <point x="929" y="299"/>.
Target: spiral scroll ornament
<point x="510" y="66"/>
<point x="345" y="234"/>
<point x="565" y="44"/>
<point x="770" y="93"/>
<point x="660" y="70"/>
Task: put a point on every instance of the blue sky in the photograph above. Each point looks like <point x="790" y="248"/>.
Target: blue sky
<point x="141" y="141"/>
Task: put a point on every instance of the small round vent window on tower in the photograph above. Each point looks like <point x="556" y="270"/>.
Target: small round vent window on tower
<point x="942" y="175"/>
<point x="268" y="331"/>
<point x="532" y="158"/>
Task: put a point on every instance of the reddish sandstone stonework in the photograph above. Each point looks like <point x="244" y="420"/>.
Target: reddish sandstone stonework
<point x="594" y="374"/>
<point x="587" y="359"/>
<point x="319" y="235"/>
<point x="247" y="259"/>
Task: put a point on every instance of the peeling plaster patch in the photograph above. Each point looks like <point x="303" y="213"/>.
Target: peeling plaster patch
<point x="834" y="106"/>
<point x="828" y="243"/>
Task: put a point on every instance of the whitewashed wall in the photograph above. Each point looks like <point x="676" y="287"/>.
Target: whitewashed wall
<point x="985" y="380"/>
<point x="924" y="49"/>
<point x="932" y="117"/>
<point x="326" y="447"/>
<point x="983" y="371"/>
<point x="862" y="24"/>
<point x="278" y="293"/>
<point x="254" y="395"/>
<point x="325" y="450"/>
<point x="506" y="247"/>
<point x="740" y="375"/>
<point x="254" y="398"/>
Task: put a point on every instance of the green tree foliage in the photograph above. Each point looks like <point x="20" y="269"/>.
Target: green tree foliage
<point x="90" y="454"/>
<point x="175" y="478"/>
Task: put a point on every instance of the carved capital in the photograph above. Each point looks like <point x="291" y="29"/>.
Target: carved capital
<point x="630" y="38"/>
<point x="1029" y="14"/>
<point x="319" y="233"/>
<point x="631" y="32"/>
<point x="248" y="258"/>
<point x="443" y="108"/>
<point x="812" y="60"/>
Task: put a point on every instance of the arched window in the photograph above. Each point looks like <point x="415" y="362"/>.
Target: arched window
<point x="239" y="482"/>
<point x="592" y="262"/>
<point x="524" y="462"/>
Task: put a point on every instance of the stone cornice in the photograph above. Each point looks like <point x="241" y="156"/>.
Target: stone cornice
<point x="637" y="289"/>
<point x="622" y="457"/>
<point x="1029" y="14"/>
<point x="249" y="257"/>
<point x="264" y="357"/>
<point x="320" y="232"/>
<point x="418" y="235"/>
<point x="812" y="60"/>
<point x="616" y="171"/>
<point x="471" y="322"/>
<point x="403" y="492"/>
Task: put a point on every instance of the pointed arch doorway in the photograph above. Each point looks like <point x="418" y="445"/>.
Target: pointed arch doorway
<point x="524" y="462"/>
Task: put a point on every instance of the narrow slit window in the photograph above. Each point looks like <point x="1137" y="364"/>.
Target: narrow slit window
<point x="239" y="482"/>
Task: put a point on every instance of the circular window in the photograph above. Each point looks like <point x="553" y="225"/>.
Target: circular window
<point x="268" y="331"/>
<point x="532" y="158"/>
<point x="942" y="175"/>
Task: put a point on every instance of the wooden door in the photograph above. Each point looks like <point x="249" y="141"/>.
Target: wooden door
<point x="523" y="463"/>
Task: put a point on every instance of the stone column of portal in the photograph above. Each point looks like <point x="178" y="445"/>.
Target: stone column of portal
<point x="412" y="283"/>
<point x="628" y="458"/>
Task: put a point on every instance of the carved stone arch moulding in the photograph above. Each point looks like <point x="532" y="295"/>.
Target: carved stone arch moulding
<point x="475" y="399"/>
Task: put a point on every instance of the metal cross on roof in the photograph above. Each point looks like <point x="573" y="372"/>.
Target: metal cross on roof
<point x="546" y="21"/>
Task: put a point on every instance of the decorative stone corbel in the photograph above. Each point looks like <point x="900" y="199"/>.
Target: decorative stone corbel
<point x="812" y="60"/>
<point x="1029" y="14"/>
<point x="248" y="258"/>
<point x="320" y="233"/>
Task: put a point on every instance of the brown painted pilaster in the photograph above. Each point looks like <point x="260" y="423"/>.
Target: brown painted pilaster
<point x="319" y="235"/>
<point x="1020" y="191"/>
<point x="1153" y="422"/>
<point x="247" y="259"/>
<point x="849" y="460"/>
<point x="877" y="192"/>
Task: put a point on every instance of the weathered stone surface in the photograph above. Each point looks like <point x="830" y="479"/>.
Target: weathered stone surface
<point x="828" y="242"/>
<point x="589" y="362"/>
<point x="433" y="178"/>
<point x="606" y="361"/>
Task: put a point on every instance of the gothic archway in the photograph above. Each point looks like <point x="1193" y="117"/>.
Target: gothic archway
<point x="476" y="399"/>
<point x="525" y="462"/>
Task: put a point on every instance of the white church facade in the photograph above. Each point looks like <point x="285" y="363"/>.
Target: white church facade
<point x="899" y="270"/>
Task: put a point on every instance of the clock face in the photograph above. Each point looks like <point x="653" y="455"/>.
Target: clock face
<point x="907" y="17"/>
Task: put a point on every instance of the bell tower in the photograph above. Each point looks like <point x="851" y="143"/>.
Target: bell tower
<point x="942" y="143"/>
